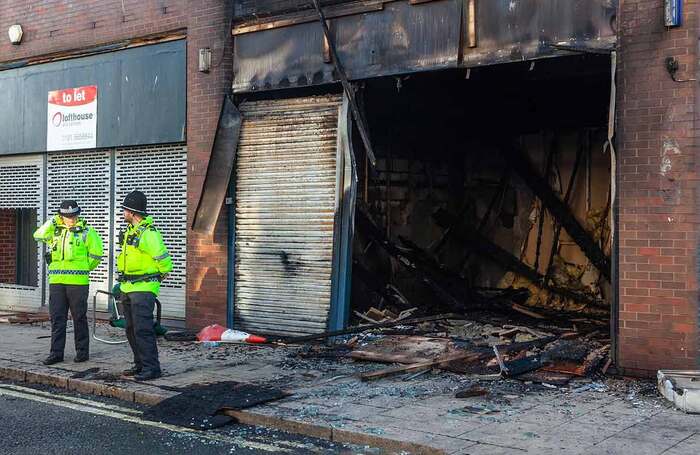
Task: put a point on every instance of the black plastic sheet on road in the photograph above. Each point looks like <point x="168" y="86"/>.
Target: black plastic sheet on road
<point x="200" y="406"/>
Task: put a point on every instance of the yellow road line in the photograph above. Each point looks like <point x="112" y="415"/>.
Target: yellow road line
<point x="95" y="404"/>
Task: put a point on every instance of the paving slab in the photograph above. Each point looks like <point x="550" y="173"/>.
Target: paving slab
<point x="687" y="446"/>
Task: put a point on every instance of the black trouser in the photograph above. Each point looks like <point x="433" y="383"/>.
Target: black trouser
<point x="61" y="298"/>
<point x="138" y="312"/>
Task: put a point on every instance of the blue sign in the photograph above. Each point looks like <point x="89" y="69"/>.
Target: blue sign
<point x="673" y="12"/>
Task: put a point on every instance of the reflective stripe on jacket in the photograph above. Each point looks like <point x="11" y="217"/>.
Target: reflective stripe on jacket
<point x="75" y="251"/>
<point x="143" y="253"/>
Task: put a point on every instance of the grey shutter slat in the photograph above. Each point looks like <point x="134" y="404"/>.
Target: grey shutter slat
<point x="85" y="178"/>
<point x="286" y="200"/>
<point x="160" y="172"/>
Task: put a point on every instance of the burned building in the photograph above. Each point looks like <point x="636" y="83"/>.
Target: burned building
<point x="455" y="154"/>
<point x="519" y="155"/>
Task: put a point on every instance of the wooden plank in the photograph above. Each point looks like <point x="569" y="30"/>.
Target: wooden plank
<point x="420" y="366"/>
<point x="362" y="328"/>
<point x="307" y="16"/>
<point x="402" y="349"/>
<point x="471" y="24"/>
<point x="383" y="357"/>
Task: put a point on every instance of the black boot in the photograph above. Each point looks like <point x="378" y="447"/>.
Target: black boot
<point x="51" y="359"/>
<point x="80" y="358"/>
<point x="133" y="371"/>
<point x="148" y="375"/>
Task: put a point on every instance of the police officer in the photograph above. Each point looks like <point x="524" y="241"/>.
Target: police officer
<point x="75" y="249"/>
<point x="143" y="263"/>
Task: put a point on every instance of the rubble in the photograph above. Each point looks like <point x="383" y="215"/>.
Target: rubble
<point x="23" y="317"/>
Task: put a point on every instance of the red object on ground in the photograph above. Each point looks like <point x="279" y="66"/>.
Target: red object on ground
<point x="211" y="333"/>
<point x="216" y="332"/>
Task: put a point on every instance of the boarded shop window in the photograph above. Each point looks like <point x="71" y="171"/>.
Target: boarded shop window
<point x="18" y="262"/>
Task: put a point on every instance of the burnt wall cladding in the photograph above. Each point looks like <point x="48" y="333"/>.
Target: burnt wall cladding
<point x="657" y="191"/>
<point x="66" y="25"/>
<point x="249" y="9"/>
<point x="8" y="246"/>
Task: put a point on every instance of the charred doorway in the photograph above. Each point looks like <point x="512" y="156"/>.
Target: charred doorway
<point x="448" y="220"/>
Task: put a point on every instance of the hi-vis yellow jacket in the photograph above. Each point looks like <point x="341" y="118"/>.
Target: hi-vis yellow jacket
<point x="143" y="254"/>
<point x="75" y="251"/>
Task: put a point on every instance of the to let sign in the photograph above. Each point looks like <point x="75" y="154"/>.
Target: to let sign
<point x="72" y="119"/>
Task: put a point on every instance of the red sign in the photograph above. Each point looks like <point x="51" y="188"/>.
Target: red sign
<point x="73" y="96"/>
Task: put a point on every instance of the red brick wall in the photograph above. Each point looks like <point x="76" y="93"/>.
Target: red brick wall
<point x="207" y="268"/>
<point x="8" y="246"/>
<point x="657" y="190"/>
<point x="65" y="25"/>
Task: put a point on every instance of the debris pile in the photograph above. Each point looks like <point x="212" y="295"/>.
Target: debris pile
<point x="567" y="290"/>
<point x="21" y="317"/>
<point x="547" y="359"/>
<point x="547" y="353"/>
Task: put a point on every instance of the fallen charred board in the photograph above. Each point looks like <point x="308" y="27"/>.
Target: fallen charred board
<point x="521" y="164"/>
<point x="546" y="377"/>
<point x="402" y="349"/>
<point x="565" y="357"/>
<point x="484" y="246"/>
<point x="469" y="356"/>
<point x="520" y="366"/>
<point x="414" y="349"/>
<point x="487" y="354"/>
<point x="455" y="362"/>
<point x="200" y="406"/>
<point x="584" y="369"/>
<point x="362" y="328"/>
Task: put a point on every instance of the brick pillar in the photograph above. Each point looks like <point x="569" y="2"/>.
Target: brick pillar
<point x="657" y="190"/>
<point x="206" y="256"/>
<point x="8" y="246"/>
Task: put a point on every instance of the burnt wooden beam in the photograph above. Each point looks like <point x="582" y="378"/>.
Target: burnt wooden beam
<point x="366" y="225"/>
<point x="363" y="328"/>
<point x="347" y="87"/>
<point x="521" y="165"/>
<point x="487" y="248"/>
<point x="567" y="198"/>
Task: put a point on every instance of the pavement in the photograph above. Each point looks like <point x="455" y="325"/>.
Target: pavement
<point x="403" y="414"/>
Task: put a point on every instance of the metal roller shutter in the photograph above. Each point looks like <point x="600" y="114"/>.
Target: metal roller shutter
<point x="85" y="178"/>
<point x="161" y="173"/>
<point x="286" y="201"/>
<point x="22" y="186"/>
